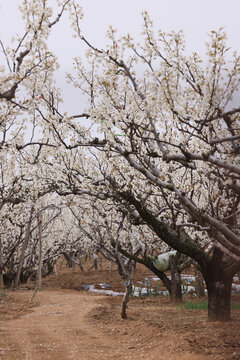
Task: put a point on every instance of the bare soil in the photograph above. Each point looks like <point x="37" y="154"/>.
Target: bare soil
<point x="65" y="322"/>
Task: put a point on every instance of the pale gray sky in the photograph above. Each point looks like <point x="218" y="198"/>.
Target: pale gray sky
<point x="195" y="17"/>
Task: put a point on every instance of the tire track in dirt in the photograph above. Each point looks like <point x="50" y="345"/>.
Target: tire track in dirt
<point x="56" y="329"/>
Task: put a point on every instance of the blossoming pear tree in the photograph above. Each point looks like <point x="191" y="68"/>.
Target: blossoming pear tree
<point x="26" y="80"/>
<point x="169" y="120"/>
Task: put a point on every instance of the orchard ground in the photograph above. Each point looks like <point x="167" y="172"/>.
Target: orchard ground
<point x="65" y="322"/>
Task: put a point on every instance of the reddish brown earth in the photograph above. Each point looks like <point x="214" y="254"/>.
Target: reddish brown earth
<point x="64" y="323"/>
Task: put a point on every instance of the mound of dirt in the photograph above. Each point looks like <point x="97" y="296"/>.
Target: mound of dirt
<point x="165" y="326"/>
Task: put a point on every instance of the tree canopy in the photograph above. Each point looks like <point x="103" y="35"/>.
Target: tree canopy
<point x="162" y="150"/>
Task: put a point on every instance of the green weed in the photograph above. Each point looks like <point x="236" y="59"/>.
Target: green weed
<point x="201" y="305"/>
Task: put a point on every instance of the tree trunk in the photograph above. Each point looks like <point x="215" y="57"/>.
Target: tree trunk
<point x="24" y="247"/>
<point x="126" y="298"/>
<point x="39" y="220"/>
<point x="69" y="260"/>
<point x="95" y="262"/>
<point x="55" y="269"/>
<point x="176" y="282"/>
<point x="1" y="266"/>
<point x="73" y="266"/>
<point x="219" y="298"/>
<point x="199" y="283"/>
<point x="80" y="264"/>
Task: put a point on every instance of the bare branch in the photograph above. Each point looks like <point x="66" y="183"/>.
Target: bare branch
<point x="59" y="15"/>
<point x="218" y="141"/>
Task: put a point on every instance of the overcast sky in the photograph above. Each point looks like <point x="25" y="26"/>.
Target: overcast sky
<point x="195" y="17"/>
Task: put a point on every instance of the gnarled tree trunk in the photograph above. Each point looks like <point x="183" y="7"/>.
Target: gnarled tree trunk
<point x="219" y="297"/>
<point x="219" y="284"/>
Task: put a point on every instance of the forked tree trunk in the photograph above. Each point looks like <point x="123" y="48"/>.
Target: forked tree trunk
<point x="176" y="282"/>
<point x="219" y="298"/>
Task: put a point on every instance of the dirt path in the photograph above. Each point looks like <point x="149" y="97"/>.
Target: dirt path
<point x="56" y="329"/>
<point x="61" y="327"/>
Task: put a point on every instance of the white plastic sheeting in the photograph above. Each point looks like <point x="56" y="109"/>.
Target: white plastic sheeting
<point x="162" y="262"/>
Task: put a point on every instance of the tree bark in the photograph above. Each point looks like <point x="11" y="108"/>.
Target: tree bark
<point x="126" y="298"/>
<point x="219" y="283"/>
<point x="39" y="219"/>
<point x="1" y="266"/>
<point x="55" y="269"/>
<point x="80" y="264"/>
<point x="199" y="283"/>
<point x="176" y="281"/>
<point x="219" y="298"/>
<point x="69" y="260"/>
<point x="24" y="247"/>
